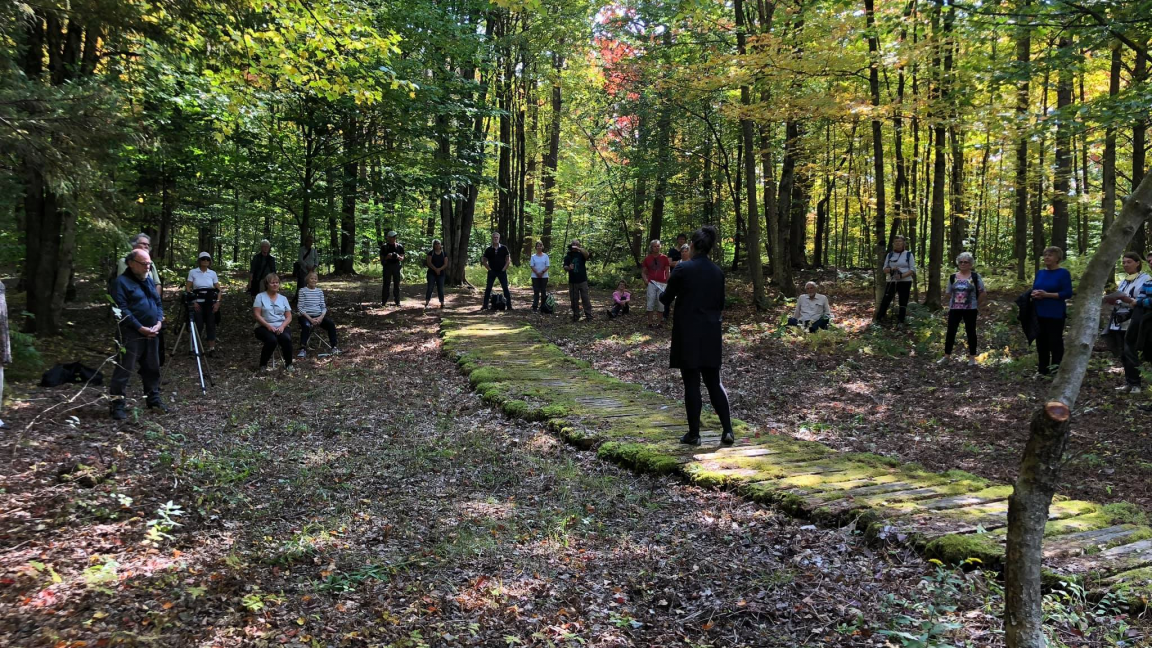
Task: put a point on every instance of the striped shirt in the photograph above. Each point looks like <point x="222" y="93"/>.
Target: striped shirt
<point x="311" y="302"/>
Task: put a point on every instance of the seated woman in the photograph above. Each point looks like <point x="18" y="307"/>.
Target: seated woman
<point x="314" y="312"/>
<point x="272" y="312"/>
<point x="812" y="311"/>
<point x="203" y="282"/>
<point x="620" y="300"/>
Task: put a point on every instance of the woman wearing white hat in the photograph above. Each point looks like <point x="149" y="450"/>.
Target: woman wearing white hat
<point x="203" y="282"/>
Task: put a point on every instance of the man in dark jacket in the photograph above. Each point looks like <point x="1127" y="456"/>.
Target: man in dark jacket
<point x="697" y="285"/>
<point x="263" y="264"/>
<point x="391" y="258"/>
<point x="141" y="315"/>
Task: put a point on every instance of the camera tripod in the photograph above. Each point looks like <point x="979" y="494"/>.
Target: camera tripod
<point x="194" y="345"/>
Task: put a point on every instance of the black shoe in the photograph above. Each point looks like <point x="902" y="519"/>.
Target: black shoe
<point x="575" y="317"/>
<point x="727" y="438"/>
<point x="692" y="438"/>
<point x="588" y="317"/>
<point x="117" y="410"/>
<point x="158" y="404"/>
<point x="483" y="308"/>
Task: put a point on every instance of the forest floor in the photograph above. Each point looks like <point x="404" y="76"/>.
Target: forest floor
<point x="371" y="499"/>
<point x="879" y="389"/>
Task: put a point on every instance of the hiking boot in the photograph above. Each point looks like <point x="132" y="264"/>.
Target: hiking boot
<point x="727" y="438"/>
<point x="691" y="438"/>
<point x="117" y="410"/>
<point x="156" y="403"/>
<point x="303" y="353"/>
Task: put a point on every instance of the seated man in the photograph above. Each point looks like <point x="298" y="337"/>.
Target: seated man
<point x="620" y="300"/>
<point x="313" y="313"/>
<point x="812" y="311"/>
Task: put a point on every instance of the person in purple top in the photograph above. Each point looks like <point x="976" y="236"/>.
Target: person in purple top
<point x="1050" y="291"/>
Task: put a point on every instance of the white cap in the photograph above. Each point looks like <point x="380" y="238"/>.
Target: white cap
<point x="204" y="255"/>
<point x="391" y="233"/>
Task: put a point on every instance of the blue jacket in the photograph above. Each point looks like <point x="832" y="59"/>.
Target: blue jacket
<point x="138" y="300"/>
<point x="1058" y="281"/>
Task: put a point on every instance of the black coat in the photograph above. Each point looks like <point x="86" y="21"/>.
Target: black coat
<point x="697" y="286"/>
<point x="1028" y="319"/>
<point x="261" y="267"/>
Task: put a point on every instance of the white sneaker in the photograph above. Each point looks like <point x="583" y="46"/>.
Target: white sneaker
<point x="288" y="369"/>
<point x="1135" y="389"/>
<point x="303" y="353"/>
<point x="1125" y="388"/>
<point x="268" y="367"/>
<point x="943" y="359"/>
<point x="971" y="361"/>
<point x="334" y="351"/>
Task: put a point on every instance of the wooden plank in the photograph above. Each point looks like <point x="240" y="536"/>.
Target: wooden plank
<point x="1076" y="544"/>
<point x="1110" y="561"/>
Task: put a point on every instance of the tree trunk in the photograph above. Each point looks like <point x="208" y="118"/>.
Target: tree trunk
<point x="1108" y="203"/>
<point x="936" y="245"/>
<point x="877" y="148"/>
<point x="346" y="264"/>
<point x="747" y="132"/>
<point x="1061" y="180"/>
<point x="1048" y="438"/>
<point x="1020" y="184"/>
<point x="552" y="157"/>
<point x="783" y="238"/>
<point x="1038" y="243"/>
<point x="1139" y="133"/>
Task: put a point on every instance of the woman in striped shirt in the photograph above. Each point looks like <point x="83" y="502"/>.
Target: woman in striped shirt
<point x="314" y="312"/>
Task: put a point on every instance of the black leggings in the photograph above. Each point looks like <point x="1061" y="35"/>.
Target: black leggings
<point x="716" y="394"/>
<point x="270" y="341"/>
<point x="306" y="331"/>
<point x="1050" y="342"/>
<point x="900" y="289"/>
<point x="539" y="291"/>
<point x="955" y="316"/>
<point x="206" y="318"/>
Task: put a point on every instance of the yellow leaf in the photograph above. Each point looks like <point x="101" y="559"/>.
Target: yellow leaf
<point x="299" y="620"/>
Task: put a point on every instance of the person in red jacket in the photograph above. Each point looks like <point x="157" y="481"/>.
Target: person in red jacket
<point x="655" y="268"/>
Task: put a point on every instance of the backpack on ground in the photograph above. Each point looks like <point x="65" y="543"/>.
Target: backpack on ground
<point x="498" y="302"/>
<point x="548" y="306"/>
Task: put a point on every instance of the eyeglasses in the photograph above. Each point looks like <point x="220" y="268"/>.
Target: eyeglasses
<point x="146" y="264"/>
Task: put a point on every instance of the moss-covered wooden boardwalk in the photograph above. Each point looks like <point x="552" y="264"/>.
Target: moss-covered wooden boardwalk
<point x="953" y="516"/>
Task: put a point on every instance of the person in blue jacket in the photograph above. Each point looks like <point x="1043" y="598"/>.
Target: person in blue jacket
<point x="1050" y="292"/>
<point x="141" y="317"/>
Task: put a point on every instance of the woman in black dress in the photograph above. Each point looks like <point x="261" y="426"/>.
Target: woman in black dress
<point x="697" y="286"/>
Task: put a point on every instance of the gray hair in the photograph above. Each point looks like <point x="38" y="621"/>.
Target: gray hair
<point x="1058" y="251"/>
<point x="965" y="256"/>
<point x="435" y="241"/>
<point x="653" y="242"/>
<point x="265" y="242"/>
<point x="810" y="283"/>
<point x="136" y="239"/>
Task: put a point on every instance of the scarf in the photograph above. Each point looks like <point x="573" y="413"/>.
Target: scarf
<point x="1131" y="277"/>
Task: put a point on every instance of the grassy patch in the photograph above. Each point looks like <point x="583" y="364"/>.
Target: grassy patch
<point x="956" y="549"/>
<point x="640" y="457"/>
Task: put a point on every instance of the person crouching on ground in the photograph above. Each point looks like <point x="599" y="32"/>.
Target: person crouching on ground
<point x="142" y="314"/>
<point x="620" y="300"/>
<point x="204" y="312"/>
<point x="812" y="311"/>
<point x="273" y="314"/>
<point x="314" y="312"/>
<point x="697" y="286"/>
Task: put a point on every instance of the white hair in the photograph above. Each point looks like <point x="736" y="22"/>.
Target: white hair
<point x="965" y="256"/>
<point x="809" y="284"/>
<point x="141" y="235"/>
<point x="265" y="242"/>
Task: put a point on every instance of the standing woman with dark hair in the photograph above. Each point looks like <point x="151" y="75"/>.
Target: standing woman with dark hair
<point x="437" y="262"/>
<point x="697" y="286"/>
<point x="1050" y="291"/>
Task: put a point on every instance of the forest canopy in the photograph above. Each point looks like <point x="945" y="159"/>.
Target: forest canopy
<point x="810" y="131"/>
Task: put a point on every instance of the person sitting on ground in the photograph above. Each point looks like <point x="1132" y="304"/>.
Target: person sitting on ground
<point x="965" y="288"/>
<point x="273" y="314"/>
<point x="1123" y="301"/>
<point x="141" y="316"/>
<point x="655" y="268"/>
<point x="314" y="312"/>
<point x="437" y="262"/>
<point x="812" y="311"/>
<point x="203" y="282"/>
<point x="620" y="300"/>
<point x="262" y="265"/>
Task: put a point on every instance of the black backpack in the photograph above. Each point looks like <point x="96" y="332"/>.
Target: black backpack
<point x="498" y="302"/>
<point x="548" y="304"/>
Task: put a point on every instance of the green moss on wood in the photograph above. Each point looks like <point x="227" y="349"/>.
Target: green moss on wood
<point x="640" y="457"/>
<point x="486" y="375"/>
<point x="955" y="549"/>
<point x="517" y="409"/>
<point x="1126" y="513"/>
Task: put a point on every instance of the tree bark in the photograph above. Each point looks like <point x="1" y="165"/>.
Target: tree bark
<point x="1108" y="202"/>
<point x="1041" y="464"/>
<point x="346" y="264"/>
<point x="939" y="90"/>
<point x="783" y="238"/>
<point x="1061" y="180"/>
<point x="747" y="132"/>
<point x="878" y="249"/>
<point x="1139" y="133"/>
<point x="1020" y="183"/>
<point x="552" y="157"/>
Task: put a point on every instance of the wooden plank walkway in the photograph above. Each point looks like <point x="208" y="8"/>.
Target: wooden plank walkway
<point x="952" y="516"/>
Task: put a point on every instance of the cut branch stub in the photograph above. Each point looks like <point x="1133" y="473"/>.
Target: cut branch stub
<point x="1057" y="411"/>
